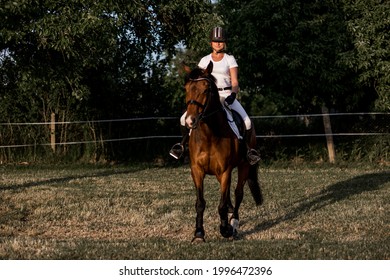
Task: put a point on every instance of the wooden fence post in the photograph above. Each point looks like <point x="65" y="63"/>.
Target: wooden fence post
<point x="53" y="132"/>
<point x="329" y="135"/>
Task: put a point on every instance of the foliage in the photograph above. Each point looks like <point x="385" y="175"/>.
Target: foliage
<point x="86" y="60"/>
<point x="369" y="23"/>
<point x="98" y="60"/>
<point x="307" y="53"/>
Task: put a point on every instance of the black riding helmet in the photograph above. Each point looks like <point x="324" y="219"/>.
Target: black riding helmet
<point x="217" y="34"/>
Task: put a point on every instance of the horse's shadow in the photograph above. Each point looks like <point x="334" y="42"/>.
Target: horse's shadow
<point x="332" y="194"/>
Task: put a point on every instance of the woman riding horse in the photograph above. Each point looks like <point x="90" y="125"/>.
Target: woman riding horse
<point x="225" y="70"/>
<point x="215" y="150"/>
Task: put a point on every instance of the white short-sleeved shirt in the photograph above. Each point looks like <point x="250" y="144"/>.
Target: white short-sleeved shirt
<point x="221" y="69"/>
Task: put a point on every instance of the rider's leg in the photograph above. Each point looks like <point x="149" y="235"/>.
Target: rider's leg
<point x="252" y="155"/>
<point x="178" y="149"/>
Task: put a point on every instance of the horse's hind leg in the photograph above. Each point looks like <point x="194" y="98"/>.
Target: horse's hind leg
<point x="235" y="219"/>
<point x="239" y="195"/>
<point x="230" y="204"/>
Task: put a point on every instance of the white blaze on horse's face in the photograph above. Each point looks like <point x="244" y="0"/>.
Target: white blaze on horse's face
<point x="189" y="121"/>
<point x="196" y="98"/>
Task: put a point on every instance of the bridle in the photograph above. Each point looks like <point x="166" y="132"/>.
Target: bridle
<point x="202" y="115"/>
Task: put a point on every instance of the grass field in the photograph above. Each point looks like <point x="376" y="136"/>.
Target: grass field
<point x="147" y="212"/>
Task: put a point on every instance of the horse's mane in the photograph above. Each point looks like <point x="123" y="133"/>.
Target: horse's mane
<point x="197" y="73"/>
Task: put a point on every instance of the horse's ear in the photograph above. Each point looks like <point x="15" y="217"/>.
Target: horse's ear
<point x="186" y="68"/>
<point x="209" y="68"/>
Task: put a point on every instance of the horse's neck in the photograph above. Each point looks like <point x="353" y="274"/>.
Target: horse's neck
<point x="217" y="124"/>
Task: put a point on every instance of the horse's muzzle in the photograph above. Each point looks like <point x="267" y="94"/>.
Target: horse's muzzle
<point x="193" y="121"/>
<point x="190" y="121"/>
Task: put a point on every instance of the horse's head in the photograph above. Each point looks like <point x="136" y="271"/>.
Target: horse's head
<point x="200" y="91"/>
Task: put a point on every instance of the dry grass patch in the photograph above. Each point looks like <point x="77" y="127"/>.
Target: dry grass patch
<point x="141" y="212"/>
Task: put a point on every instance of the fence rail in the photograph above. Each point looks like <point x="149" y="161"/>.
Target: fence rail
<point x="326" y="136"/>
<point x="149" y="137"/>
<point x="173" y="118"/>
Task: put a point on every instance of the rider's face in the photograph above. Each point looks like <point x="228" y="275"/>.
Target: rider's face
<point x="217" y="46"/>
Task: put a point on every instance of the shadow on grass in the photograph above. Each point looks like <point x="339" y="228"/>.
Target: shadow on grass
<point x="61" y="180"/>
<point x="332" y="194"/>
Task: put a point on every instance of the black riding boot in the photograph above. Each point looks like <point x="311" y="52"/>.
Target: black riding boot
<point x="178" y="149"/>
<point x="252" y="155"/>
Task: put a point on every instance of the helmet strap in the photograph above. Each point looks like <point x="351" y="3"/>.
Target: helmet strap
<point x="219" y="51"/>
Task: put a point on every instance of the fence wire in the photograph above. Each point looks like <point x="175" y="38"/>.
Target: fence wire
<point x="280" y="126"/>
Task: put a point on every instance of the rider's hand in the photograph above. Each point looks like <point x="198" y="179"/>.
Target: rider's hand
<point x="230" y="99"/>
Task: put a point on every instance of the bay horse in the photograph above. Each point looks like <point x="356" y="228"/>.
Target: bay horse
<point x="214" y="149"/>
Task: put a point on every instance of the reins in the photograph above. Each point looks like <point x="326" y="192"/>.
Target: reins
<point x="202" y="115"/>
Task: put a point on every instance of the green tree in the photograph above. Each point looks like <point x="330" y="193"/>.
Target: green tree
<point x="85" y="59"/>
<point x="288" y="53"/>
<point x="62" y="50"/>
<point x="298" y="55"/>
<point x="369" y="23"/>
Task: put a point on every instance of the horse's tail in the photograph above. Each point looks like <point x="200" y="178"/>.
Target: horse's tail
<point x="254" y="185"/>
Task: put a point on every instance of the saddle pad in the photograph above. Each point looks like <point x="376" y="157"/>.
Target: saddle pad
<point x="231" y="122"/>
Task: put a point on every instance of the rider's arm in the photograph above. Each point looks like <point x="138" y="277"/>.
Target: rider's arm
<point x="234" y="79"/>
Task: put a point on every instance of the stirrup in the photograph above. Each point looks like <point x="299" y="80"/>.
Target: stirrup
<point x="177" y="151"/>
<point x="253" y="156"/>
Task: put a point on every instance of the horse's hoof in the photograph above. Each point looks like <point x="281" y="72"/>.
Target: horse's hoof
<point x="235" y="235"/>
<point x="235" y="224"/>
<point x="226" y="231"/>
<point x="198" y="239"/>
<point x="199" y="235"/>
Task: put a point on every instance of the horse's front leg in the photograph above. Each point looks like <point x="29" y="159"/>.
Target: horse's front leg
<point x="200" y="206"/>
<point x="225" y="228"/>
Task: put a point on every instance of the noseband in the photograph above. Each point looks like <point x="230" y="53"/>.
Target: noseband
<point x="204" y="106"/>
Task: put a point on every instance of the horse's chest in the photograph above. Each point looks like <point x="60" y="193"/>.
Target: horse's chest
<point x="213" y="160"/>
